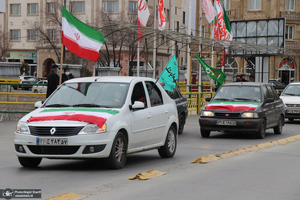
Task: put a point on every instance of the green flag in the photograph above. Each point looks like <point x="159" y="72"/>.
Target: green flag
<point x="217" y="75"/>
<point x="169" y="75"/>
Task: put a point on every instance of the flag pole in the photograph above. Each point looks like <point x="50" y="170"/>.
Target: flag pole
<point x="200" y="50"/>
<point x="138" y="59"/>
<point x="154" y="42"/>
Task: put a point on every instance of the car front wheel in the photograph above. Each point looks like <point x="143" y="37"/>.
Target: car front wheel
<point x="262" y="130"/>
<point x="278" y="128"/>
<point x="29" y="162"/>
<point x="118" y="153"/>
<point x="204" y="133"/>
<point x="169" y="148"/>
<point x="36" y="91"/>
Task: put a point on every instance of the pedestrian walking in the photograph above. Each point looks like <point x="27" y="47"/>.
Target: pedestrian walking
<point x="53" y="80"/>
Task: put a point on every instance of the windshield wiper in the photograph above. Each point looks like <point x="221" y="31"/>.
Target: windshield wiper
<point x="57" y="105"/>
<point x="245" y="99"/>
<point x="222" y="99"/>
<point x="87" y="105"/>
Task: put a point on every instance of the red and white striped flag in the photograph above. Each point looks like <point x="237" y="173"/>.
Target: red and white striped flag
<point x="209" y="10"/>
<point x="143" y="16"/>
<point x="161" y="15"/>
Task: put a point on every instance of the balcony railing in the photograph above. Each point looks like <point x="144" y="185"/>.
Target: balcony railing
<point x="290" y="15"/>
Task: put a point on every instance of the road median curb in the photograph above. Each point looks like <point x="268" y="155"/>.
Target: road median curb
<point x="211" y="158"/>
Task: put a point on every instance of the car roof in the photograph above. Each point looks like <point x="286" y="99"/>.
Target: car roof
<point x="246" y="84"/>
<point x="116" y="79"/>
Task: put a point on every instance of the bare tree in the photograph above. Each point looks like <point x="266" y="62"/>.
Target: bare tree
<point x="5" y="44"/>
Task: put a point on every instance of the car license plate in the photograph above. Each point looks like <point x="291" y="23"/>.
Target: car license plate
<point x="52" y="141"/>
<point x="226" y="123"/>
<point x="294" y="111"/>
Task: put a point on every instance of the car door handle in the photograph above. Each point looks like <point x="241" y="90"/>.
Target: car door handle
<point x="149" y="116"/>
<point x="166" y="112"/>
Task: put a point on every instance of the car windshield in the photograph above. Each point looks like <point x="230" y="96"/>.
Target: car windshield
<point x="106" y="95"/>
<point x="292" y="90"/>
<point x="238" y="93"/>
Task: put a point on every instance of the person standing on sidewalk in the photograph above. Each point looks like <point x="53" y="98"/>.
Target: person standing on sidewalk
<point x="53" y="80"/>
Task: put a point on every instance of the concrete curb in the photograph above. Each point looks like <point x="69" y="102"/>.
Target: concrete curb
<point x="211" y="158"/>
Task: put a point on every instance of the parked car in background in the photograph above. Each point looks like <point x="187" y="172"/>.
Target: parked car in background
<point x="99" y="117"/>
<point x="291" y="99"/>
<point x="182" y="107"/>
<point x="277" y="85"/>
<point x="23" y="78"/>
<point x="29" y="81"/>
<point x="40" y="88"/>
<point x="243" y="107"/>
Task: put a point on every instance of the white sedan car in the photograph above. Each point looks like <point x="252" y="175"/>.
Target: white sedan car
<point x="99" y="117"/>
<point x="291" y="99"/>
<point x="40" y="88"/>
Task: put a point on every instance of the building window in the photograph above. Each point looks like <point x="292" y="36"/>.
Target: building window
<point x="15" y="35"/>
<point x="254" y="4"/>
<point x="51" y="35"/>
<point x="290" y="4"/>
<point x="203" y="31"/>
<point x="289" y="32"/>
<point x="15" y="9"/>
<point x="226" y="4"/>
<point x="177" y="26"/>
<point x="132" y="7"/>
<point x="77" y="7"/>
<point x="111" y="6"/>
<point x="32" y="9"/>
<point x="183" y="17"/>
<point x="175" y="10"/>
<point x="32" y="35"/>
<point x="51" y="8"/>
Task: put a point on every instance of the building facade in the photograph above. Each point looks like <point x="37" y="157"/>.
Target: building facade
<point x="282" y="67"/>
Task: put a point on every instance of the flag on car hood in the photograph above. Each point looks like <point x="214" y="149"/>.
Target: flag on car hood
<point x="89" y="115"/>
<point x="232" y="106"/>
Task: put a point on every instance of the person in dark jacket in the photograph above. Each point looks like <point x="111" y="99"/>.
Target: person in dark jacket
<point x="66" y="75"/>
<point x="243" y="77"/>
<point x="53" y="80"/>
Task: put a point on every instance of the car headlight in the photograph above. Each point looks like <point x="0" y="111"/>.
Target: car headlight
<point x="23" y="128"/>
<point x="93" y="129"/>
<point x="249" y="115"/>
<point x="206" y="113"/>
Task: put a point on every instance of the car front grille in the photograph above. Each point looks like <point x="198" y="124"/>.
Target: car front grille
<point x="53" y="150"/>
<point x="59" y="131"/>
<point x="227" y="115"/>
<point x="293" y="105"/>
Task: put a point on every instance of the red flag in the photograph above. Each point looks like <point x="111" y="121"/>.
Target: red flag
<point x="161" y="15"/>
<point x="143" y="16"/>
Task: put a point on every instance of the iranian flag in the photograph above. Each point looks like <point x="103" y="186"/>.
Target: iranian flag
<point x="89" y="115"/>
<point x="143" y="16"/>
<point x="80" y="38"/>
<point x="232" y="106"/>
<point x="222" y="28"/>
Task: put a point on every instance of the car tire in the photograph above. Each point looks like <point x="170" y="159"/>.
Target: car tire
<point x="181" y="124"/>
<point x="169" y="148"/>
<point x="204" y="133"/>
<point x="291" y="119"/>
<point x="29" y="162"/>
<point x="118" y="152"/>
<point x="278" y="128"/>
<point x="261" y="133"/>
<point x="36" y="91"/>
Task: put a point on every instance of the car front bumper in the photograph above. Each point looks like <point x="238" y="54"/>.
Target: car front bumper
<point x="79" y="146"/>
<point x="242" y="125"/>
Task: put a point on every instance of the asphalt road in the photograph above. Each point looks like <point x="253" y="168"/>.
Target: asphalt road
<point x="271" y="173"/>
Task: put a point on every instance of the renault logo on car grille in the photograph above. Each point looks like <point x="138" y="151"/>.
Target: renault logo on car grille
<point x="227" y="115"/>
<point x="52" y="131"/>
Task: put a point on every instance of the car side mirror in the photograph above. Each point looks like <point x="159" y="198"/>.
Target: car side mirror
<point x="137" y="105"/>
<point x="269" y="100"/>
<point x="208" y="99"/>
<point x="38" y="104"/>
